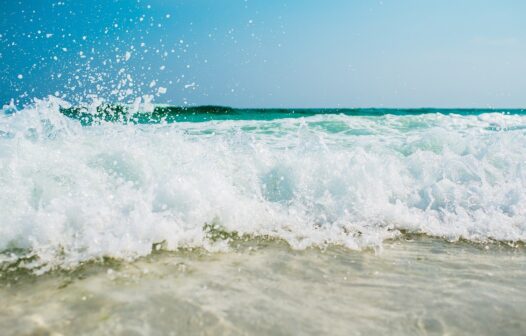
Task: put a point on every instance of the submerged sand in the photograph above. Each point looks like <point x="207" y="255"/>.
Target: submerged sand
<point x="411" y="287"/>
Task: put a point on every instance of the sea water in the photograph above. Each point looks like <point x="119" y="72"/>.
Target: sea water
<point x="118" y="212"/>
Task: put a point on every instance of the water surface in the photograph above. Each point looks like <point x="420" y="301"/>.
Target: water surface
<point x="414" y="286"/>
<point x="212" y="220"/>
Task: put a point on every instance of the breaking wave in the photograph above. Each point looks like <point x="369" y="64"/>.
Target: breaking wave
<point x="72" y="193"/>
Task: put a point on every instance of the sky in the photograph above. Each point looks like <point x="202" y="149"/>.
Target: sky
<point x="266" y="53"/>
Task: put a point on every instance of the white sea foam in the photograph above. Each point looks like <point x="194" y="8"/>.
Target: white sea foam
<point x="71" y="193"/>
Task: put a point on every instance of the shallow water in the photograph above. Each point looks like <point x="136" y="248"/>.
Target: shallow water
<point x="220" y="221"/>
<point x="415" y="286"/>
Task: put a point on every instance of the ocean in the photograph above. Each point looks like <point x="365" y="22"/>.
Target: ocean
<point x="216" y="220"/>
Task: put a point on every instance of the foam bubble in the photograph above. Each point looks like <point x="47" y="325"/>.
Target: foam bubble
<point x="73" y="193"/>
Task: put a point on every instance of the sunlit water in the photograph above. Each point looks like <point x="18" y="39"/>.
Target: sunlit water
<point x="413" y="287"/>
<point x="320" y="195"/>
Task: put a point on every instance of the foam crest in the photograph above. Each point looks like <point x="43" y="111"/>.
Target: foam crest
<point x="72" y="193"/>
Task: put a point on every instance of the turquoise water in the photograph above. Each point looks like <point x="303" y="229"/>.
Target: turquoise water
<point x="207" y="113"/>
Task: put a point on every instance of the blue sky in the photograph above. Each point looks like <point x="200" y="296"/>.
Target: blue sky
<point x="266" y="53"/>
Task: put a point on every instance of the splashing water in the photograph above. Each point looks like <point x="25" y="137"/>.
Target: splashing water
<point x="72" y="193"/>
